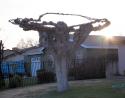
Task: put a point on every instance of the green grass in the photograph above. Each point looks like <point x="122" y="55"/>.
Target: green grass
<point x="78" y="89"/>
<point x="90" y="91"/>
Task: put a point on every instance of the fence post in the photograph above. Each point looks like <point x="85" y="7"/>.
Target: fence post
<point x="1" y="57"/>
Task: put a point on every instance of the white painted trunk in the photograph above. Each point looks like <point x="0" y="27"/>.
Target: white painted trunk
<point x="61" y="74"/>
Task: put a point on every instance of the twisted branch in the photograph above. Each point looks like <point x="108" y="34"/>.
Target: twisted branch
<point x="89" y="18"/>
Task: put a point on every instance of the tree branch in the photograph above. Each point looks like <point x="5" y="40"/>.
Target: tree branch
<point x="103" y="24"/>
<point x="89" y="18"/>
<point x="85" y="29"/>
<point x="29" y="24"/>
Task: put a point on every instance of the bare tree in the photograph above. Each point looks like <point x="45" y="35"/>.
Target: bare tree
<point x="26" y="44"/>
<point x="56" y="38"/>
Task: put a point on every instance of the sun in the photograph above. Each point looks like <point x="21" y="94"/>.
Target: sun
<point x="108" y="36"/>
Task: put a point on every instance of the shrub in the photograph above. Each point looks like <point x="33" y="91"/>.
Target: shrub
<point x="2" y="83"/>
<point x="76" y="73"/>
<point x="15" y="81"/>
<point x="44" y="76"/>
<point x="85" y="72"/>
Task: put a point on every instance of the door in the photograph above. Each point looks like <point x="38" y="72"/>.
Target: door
<point x="35" y="65"/>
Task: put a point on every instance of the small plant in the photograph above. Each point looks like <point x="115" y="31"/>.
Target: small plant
<point x="44" y="76"/>
<point x="15" y="81"/>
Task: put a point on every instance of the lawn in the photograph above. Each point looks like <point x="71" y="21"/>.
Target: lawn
<point x="29" y="81"/>
<point x="26" y="82"/>
<point x="96" y="90"/>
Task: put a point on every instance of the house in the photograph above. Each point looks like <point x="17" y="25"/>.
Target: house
<point x="13" y="67"/>
<point x="97" y="54"/>
<point x="23" y="61"/>
<point x="114" y="47"/>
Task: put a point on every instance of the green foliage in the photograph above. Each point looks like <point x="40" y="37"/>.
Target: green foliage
<point x="15" y="81"/>
<point x="44" y="76"/>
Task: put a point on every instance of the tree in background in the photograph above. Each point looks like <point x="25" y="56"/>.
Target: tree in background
<point x="26" y="44"/>
<point x="61" y="40"/>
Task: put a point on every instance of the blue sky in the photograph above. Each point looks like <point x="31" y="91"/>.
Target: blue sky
<point x="9" y="9"/>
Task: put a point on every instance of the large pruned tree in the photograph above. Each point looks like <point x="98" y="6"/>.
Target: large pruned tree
<point x="56" y="37"/>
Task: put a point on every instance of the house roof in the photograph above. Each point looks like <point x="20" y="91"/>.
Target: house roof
<point x="96" y="41"/>
<point x="16" y="51"/>
<point x="8" y="52"/>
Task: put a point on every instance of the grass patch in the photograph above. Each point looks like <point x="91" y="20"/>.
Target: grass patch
<point x="29" y="81"/>
<point x="83" y="91"/>
<point x="25" y="82"/>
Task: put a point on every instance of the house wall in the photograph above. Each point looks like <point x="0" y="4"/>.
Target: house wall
<point x="27" y="58"/>
<point x="81" y="53"/>
<point x="121" y="55"/>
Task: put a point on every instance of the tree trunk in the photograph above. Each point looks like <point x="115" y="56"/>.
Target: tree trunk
<point x="61" y="74"/>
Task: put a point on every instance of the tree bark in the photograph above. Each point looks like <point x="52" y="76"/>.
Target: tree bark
<point x="61" y="74"/>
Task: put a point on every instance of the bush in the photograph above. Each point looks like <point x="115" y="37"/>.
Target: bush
<point x="15" y="81"/>
<point x="2" y="83"/>
<point x="85" y="72"/>
<point x="44" y="76"/>
<point x="76" y="73"/>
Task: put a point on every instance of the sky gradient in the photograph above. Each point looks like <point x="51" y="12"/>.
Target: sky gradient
<point x="10" y="9"/>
